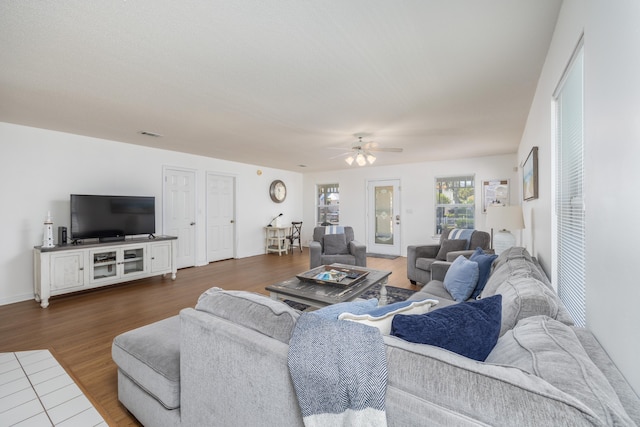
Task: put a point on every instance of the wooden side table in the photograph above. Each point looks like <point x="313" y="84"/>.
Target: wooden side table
<point x="275" y="240"/>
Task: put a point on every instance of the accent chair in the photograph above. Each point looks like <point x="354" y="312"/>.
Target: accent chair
<point x="336" y="244"/>
<point x="453" y="243"/>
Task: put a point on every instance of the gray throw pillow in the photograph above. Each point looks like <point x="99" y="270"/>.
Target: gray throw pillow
<point x="450" y="246"/>
<point x="335" y="244"/>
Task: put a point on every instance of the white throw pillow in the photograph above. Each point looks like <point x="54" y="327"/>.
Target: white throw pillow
<point x="382" y="317"/>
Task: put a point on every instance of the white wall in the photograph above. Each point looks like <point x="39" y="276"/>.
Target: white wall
<point x="40" y="168"/>
<point x="417" y="193"/>
<point x="612" y="154"/>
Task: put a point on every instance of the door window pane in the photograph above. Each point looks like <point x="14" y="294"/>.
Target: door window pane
<point x="384" y="215"/>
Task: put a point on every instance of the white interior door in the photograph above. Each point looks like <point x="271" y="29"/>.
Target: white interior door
<point x="220" y="217"/>
<point x="383" y="236"/>
<point x="180" y="213"/>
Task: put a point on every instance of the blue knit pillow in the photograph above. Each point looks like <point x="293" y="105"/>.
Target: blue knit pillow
<point x="484" y="269"/>
<point x="470" y="329"/>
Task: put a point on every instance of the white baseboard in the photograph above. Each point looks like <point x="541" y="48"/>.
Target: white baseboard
<point x="14" y="299"/>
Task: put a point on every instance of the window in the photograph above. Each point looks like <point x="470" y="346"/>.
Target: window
<point x="328" y="207"/>
<point x="455" y="202"/>
<point x="569" y="221"/>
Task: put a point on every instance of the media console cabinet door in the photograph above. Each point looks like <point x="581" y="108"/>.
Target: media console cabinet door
<point x="67" y="270"/>
<point x="160" y="257"/>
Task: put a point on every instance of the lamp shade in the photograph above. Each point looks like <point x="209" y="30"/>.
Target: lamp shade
<point x="505" y="218"/>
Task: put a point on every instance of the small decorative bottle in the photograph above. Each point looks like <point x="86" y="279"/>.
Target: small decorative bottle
<point x="47" y="238"/>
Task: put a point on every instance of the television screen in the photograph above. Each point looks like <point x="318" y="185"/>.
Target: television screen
<point x="94" y="216"/>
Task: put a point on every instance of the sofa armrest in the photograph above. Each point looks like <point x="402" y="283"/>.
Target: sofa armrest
<point x="230" y="395"/>
<point x="358" y="250"/>
<point x="315" y="254"/>
<point x="439" y="270"/>
<point x="451" y="256"/>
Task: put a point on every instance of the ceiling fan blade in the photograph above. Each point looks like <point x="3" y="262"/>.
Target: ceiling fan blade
<point x="388" y="150"/>
<point x="340" y="155"/>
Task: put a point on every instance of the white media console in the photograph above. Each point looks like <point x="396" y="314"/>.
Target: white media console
<point x="71" y="268"/>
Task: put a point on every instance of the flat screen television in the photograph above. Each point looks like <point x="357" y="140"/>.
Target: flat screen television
<point x="111" y="218"/>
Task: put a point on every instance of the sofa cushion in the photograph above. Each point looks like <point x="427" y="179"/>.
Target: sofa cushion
<point x="258" y="312"/>
<point x="150" y="357"/>
<point x="335" y="244"/>
<point x="518" y="267"/>
<point x="470" y="329"/>
<point x="381" y="317"/>
<point x="434" y="289"/>
<point x="450" y="245"/>
<point x="524" y="297"/>
<point x="484" y="269"/>
<point x="355" y="307"/>
<point x="551" y="351"/>
<point x="461" y="278"/>
<point x="514" y="252"/>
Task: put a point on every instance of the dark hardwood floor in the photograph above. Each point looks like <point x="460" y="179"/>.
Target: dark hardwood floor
<point x="79" y="328"/>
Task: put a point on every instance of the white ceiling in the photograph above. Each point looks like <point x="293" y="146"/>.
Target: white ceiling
<point x="278" y="82"/>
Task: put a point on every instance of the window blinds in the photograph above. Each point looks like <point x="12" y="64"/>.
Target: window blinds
<point x="570" y="206"/>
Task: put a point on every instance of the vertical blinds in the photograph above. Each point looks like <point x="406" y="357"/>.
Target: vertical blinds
<point x="570" y="206"/>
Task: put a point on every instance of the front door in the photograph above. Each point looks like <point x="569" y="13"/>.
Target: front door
<point x="220" y="217"/>
<point x="180" y="213"/>
<point x="384" y="217"/>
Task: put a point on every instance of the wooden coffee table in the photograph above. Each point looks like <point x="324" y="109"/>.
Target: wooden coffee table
<point x="317" y="295"/>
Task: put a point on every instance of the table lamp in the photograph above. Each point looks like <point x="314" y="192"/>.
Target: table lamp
<point x="504" y="219"/>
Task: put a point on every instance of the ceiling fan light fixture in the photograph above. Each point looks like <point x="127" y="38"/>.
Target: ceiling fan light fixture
<point x="371" y="158"/>
<point x="349" y="160"/>
<point x="360" y="159"/>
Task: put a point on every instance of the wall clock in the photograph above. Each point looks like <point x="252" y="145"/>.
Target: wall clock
<point x="278" y="191"/>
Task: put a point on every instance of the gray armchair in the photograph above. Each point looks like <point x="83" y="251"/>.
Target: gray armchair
<point x="331" y="248"/>
<point x="421" y="257"/>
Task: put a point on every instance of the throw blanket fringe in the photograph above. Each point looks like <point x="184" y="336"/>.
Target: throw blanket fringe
<point x="339" y="372"/>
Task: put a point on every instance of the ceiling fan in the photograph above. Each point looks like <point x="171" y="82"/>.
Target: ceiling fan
<point x="362" y="152"/>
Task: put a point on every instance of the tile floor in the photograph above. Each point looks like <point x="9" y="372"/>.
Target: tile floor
<point x="36" y="391"/>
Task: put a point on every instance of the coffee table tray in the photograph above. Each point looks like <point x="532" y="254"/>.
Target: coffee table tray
<point x="333" y="276"/>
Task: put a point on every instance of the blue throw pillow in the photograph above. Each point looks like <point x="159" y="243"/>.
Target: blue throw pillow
<point x="470" y="329"/>
<point x="354" y="307"/>
<point x="484" y="268"/>
<point x="461" y="278"/>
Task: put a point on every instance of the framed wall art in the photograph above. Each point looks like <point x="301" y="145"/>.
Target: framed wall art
<point x="495" y="192"/>
<point x="530" y="176"/>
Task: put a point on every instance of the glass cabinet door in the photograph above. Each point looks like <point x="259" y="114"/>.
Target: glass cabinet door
<point x="133" y="261"/>
<point x="104" y="265"/>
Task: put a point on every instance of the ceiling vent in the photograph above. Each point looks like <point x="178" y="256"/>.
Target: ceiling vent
<point x="151" y="134"/>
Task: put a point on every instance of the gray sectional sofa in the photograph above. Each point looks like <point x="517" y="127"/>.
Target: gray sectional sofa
<point x="224" y="363"/>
